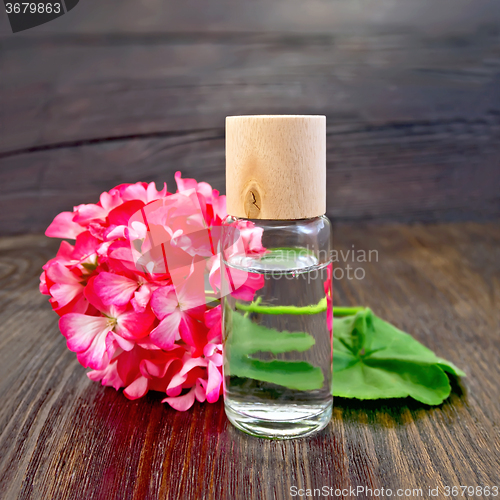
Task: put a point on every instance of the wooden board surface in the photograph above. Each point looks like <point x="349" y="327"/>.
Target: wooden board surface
<point x="64" y="437"/>
<point x="122" y="91"/>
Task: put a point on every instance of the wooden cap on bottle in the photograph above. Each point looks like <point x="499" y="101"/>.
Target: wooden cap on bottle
<point x="276" y="166"/>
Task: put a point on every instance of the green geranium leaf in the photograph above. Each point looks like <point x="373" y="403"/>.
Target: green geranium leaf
<point x="449" y="367"/>
<point x="247" y="338"/>
<point x="373" y="359"/>
<point x="292" y="374"/>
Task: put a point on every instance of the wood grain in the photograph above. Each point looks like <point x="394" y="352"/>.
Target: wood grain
<point x="64" y="437"/>
<point x="101" y="96"/>
<point x="276" y="166"/>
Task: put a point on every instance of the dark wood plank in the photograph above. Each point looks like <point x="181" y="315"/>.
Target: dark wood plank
<point x="292" y="16"/>
<point x="413" y="111"/>
<point x="64" y="437"/>
<point x="59" y="91"/>
<point x="397" y="172"/>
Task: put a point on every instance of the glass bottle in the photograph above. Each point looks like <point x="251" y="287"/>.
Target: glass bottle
<point x="275" y="274"/>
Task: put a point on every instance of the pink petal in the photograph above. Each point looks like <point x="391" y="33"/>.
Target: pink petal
<point x="63" y="226"/>
<point x="103" y="248"/>
<point x="211" y="351"/>
<point x="144" y="192"/>
<point x="184" y="184"/>
<point x="167" y="332"/>
<point x="78" y="305"/>
<point x="86" y="213"/>
<point x="80" y="330"/>
<point x="213" y="319"/>
<point x="137" y="230"/>
<point x="58" y="273"/>
<point x="65" y="251"/>
<point x="176" y="389"/>
<point x="114" y="289"/>
<point x="97" y="229"/>
<point x="64" y="294"/>
<point x="128" y="364"/>
<point x="137" y="388"/>
<point x="141" y="298"/>
<point x="93" y="298"/>
<point x="115" y="232"/>
<point x="214" y="381"/>
<point x="192" y="363"/>
<point x="201" y="187"/>
<point x="252" y="238"/>
<point x="247" y="290"/>
<point x="193" y="332"/>
<point x="112" y="347"/>
<point x="146" y="343"/>
<point x="85" y="247"/>
<point x="134" y="325"/>
<point x="214" y="275"/>
<point x="217" y="358"/>
<point x="151" y="369"/>
<point x="110" y="200"/>
<point x="215" y="333"/>
<point x="109" y="376"/>
<point x="329" y="314"/>
<point x="199" y="392"/>
<point x="121" y="215"/>
<point x="181" y="403"/>
<point x="43" y="284"/>
<point x="121" y="257"/>
<point x="154" y="194"/>
<point x="219" y="206"/>
<point x="191" y="294"/>
<point x="96" y="355"/>
<point x="164" y="301"/>
<point x="125" y="344"/>
<point x="135" y="192"/>
<point x="213" y="316"/>
<point x="205" y="189"/>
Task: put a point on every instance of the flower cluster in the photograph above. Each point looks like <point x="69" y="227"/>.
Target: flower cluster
<point x="131" y="292"/>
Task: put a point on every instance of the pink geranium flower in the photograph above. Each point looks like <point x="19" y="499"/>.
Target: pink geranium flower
<point x="180" y="315"/>
<point x="95" y="338"/>
<point x="130" y="291"/>
<point x="120" y="289"/>
<point x="65" y="287"/>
